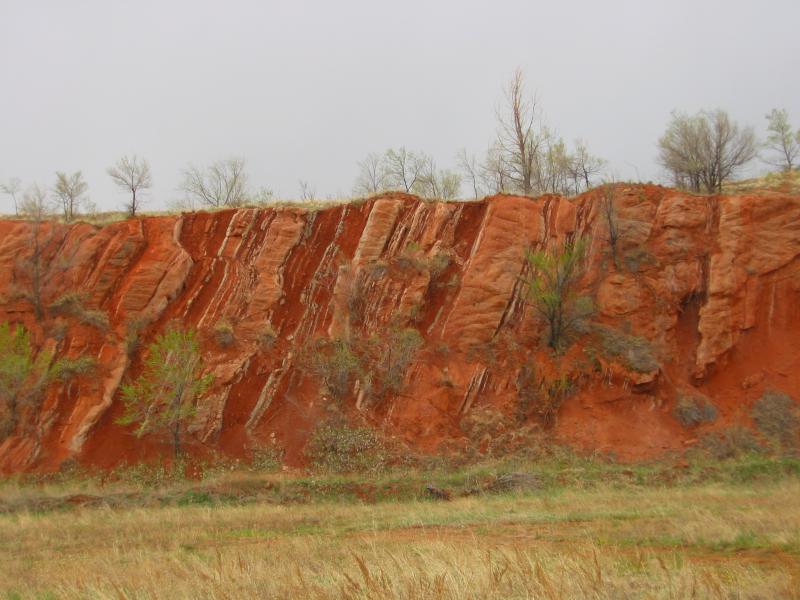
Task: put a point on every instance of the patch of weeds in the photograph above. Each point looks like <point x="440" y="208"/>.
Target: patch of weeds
<point x="636" y="353"/>
<point x="267" y="459"/>
<point x="338" y="448"/>
<point x="777" y="417"/>
<point x="195" y="498"/>
<point x="691" y="411"/>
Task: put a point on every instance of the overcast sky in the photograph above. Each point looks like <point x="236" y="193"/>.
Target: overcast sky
<point x="304" y="90"/>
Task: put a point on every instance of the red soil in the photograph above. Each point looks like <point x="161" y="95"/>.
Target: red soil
<point x="713" y="283"/>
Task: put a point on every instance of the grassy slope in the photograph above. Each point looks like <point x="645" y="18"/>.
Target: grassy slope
<point x="589" y="530"/>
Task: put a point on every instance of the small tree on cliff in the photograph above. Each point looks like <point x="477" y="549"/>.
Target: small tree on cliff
<point x="164" y="397"/>
<point x="553" y="290"/>
<point x="25" y="375"/>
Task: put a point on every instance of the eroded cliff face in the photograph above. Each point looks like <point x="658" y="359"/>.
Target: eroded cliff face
<point x="712" y="284"/>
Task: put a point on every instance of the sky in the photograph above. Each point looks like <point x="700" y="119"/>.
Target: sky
<point x="304" y="90"/>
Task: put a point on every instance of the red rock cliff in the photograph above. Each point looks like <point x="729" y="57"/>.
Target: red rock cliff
<point x="712" y="284"/>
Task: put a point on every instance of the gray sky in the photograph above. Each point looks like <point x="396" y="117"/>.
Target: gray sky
<point x="304" y="90"/>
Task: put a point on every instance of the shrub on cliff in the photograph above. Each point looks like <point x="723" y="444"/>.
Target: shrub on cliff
<point x="163" y="398"/>
<point x="777" y="417"/>
<point x="693" y="410"/>
<point x="634" y="352"/>
<point x="553" y="290"/>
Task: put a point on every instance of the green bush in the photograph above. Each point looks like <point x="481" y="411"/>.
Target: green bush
<point x="338" y="448"/>
<point x="553" y="290"/>
<point x="777" y="417"/>
<point x="693" y="410"/>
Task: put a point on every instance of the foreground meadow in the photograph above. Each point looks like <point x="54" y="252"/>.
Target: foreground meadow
<point x="724" y="538"/>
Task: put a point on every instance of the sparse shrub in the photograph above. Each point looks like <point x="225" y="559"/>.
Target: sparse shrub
<point x="223" y="333"/>
<point x="438" y="263"/>
<point x="552" y="290"/>
<point x="777" y="417"/>
<point x="133" y="334"/>
<point x="635" y="352"/>
<point x="335" y="363"/>
<point x="636" y="257"/>
<point x="391" y="355"/>
<point x="267" y="336"/>
<point x="73" y="304"/>
<point x="541" y="396"/>
<point x="338" y="448"/>
<point x="729" y="443"/>
<point x="67" y="368"/>
<point x="357" y="296"/>
<point x="694" y="410"/>
<point x="69" y="303"/>
<point x="95" y="318"/>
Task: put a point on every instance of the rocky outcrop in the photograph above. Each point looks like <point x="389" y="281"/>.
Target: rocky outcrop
<point x="710" y="284"/>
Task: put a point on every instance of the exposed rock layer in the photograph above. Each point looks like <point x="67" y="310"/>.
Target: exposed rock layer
<point x="713" y="284"/>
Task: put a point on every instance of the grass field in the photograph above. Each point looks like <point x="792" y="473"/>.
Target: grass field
<point x="585" y="530"/>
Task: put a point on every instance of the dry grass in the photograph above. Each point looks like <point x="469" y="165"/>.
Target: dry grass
<point x="705" y="541"/>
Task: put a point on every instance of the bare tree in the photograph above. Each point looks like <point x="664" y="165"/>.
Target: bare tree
<point x="782" y="141"/>
<point x="223" y="183"/>
<point x="609" y="211"/>
<point x="403" y="169"/>
<point x="470" y="167"/>
<point x="70" y="193"/>
<point x="307" y="191"/>
<point x="584" y="167"/>
<point x="517" y="136"/>
<point x="34" y="207"/>
<point x="433" y="183"/>
<point x="705" y="150"/>
<point x="371" y="175"/>
<point x="12" y="188"/>
<point x="495" y="171"/>
<point x="133" y="175"/>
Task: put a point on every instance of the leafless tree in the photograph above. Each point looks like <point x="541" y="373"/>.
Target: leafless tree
<point x="307" y="191"/>
<point x="70" y="193"/>
<point x="495" y="171"/>
<point x="705" y="150"/>
<point x="782" y="141"/>
<point x="224" y="183"/>
<point x="584" y="167"/>
<point x="12" y="188"/>
<point x="371" y="175"/>
<point x="35" y="207"/>
<point x="470" y="167"/>
<point x="403" y="169"/>
<point x="518" y="138"/>
<point x="433" y="183"/>
<point x="132" y="174"/>
<point x="609" y="211"/>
